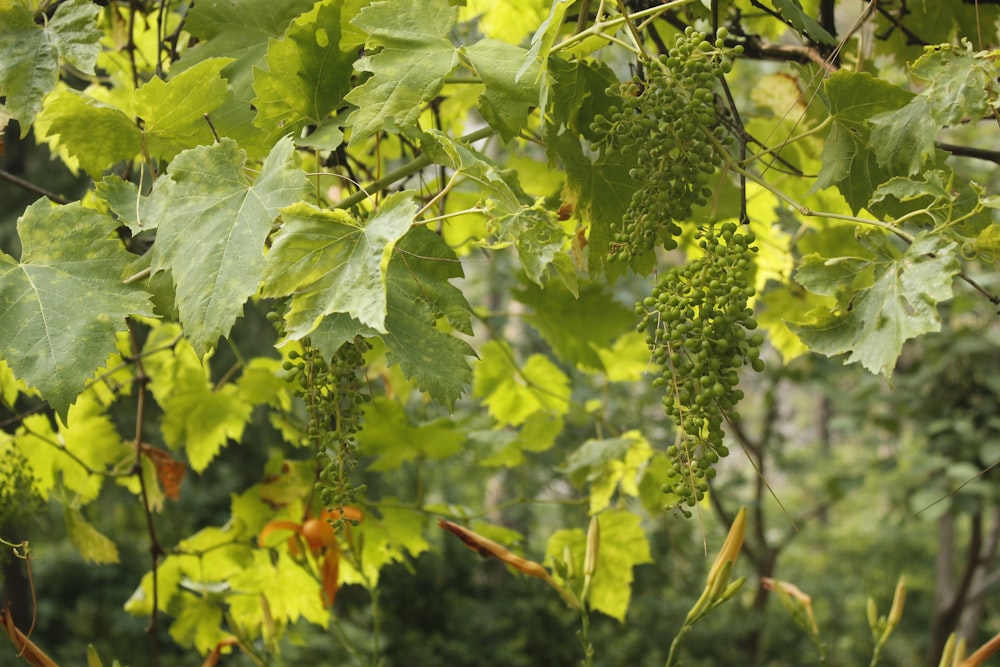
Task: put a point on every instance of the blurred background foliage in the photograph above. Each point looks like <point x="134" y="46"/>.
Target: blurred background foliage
<point x="851" y="481"/>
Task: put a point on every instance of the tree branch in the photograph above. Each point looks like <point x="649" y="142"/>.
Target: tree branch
<point x="969" y="151"/>
<point x="31" y="187"/>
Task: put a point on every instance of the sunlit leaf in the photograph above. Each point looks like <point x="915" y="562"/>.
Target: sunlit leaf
<point x="330" y="263"/>
<point x="212" y="220"/>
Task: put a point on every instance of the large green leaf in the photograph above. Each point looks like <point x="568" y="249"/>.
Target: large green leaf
<point x="422" y="304"/>
<point x="329" y="263"/>
<point x="238" y="29"/>
<point x="602" y="190"/>
<point x="956" y="87"/>
<point x="306" y="74"/>
<point x="877" y="313"/>
<point x="212" y="222"/>
<point x="173" y="112"/>
<point x="505" y="103"/>
<point x="94" y="134"/>
<point x="849" y="162"/>
<point x="63" y="303"/>
<point x="31" y="51"/>
<point x="410" y="68"/>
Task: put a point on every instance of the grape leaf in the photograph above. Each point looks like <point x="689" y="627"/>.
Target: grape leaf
<point x="94" y="134"/>
<point x="410" y="68"/>
<point x="623" y="546"/>
<point x="94" y="546"/>
<point x="513" y="394"/>
<point x="601" y="190"/>
<point x="579" y="93"/>
<point x="173" y="112"/>
<point x="957" y="82"/>
<point x="30" y="66"/>
<point x="291" y="590"/>
<point x="65" y="456"/>
<point x="212" y="223"/>
<point x="514" y="217"/>
<point x="576" y="328"/>
<point x="419" y="295"/>
<point x="62" y="304"/>
<point x="391" y="437"/>
<point x="331" y="264"/>
<point x="900" y="302"/>
<point x="197" y="621"/>
<point x="239" y="29"/>
<point x="792" y="11"/>
<point x="538" y="434"/>
<point x="196" y="415"/>
<point x="903" y="139"/>
<point x="385" y="539"/>
<point x="505" y="103"/>
<point x="609" y="464"/>
<point x="306" y="73"/>
<point x="848" y="159"/>
<point x="957" y="88"/>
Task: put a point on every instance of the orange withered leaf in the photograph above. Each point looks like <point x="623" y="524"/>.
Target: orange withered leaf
<point x="169" y="470"/>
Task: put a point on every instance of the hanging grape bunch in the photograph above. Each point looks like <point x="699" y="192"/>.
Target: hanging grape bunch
<point x="334" y="402"/>
<point x="700" y="332"/>
<point x="669" y="121"/>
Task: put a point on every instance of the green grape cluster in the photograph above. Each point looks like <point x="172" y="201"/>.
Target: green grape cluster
<point x="669" y="122"/>
<point x="334" y="401"/>
<point x="700" y="332"/>
<point x="334" y="398"/>
<point x="19" y="499"/>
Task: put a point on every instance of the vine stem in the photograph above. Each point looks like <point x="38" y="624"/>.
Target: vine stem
<point x="155" y="550"/>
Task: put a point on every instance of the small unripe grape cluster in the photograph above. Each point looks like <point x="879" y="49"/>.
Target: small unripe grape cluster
<point x="332" y="392"/>
<point x="668" y="121"/>
<point x="19" y="497"/>
<point x="700" y="330"/>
